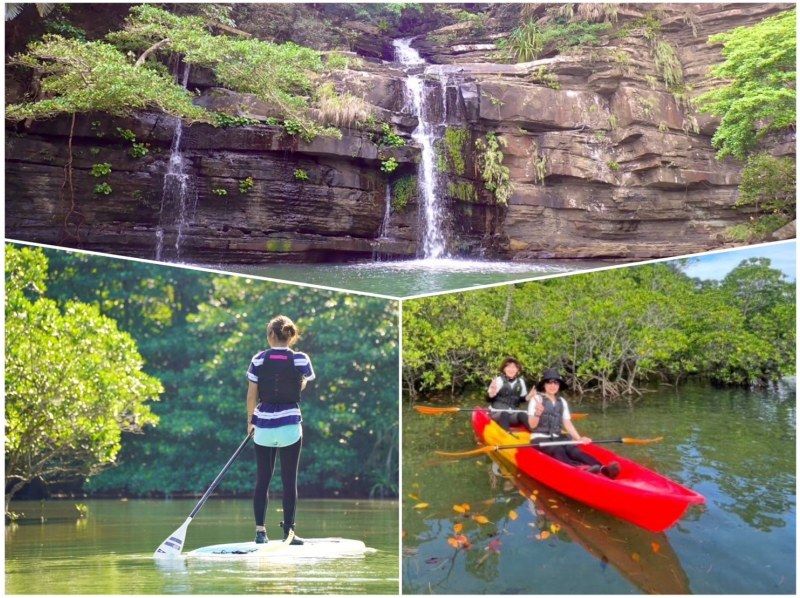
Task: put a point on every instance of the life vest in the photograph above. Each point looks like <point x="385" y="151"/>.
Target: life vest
<point x="279" y="381"/>
<point x="551" y="419"/>
<point x="508" y="396"/>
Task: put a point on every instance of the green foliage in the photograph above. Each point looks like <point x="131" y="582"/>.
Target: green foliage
<point x="668" y="64"/>
<point x="389" y="164"/>
<point x="613" y="165"/>
<point x="102" y="189"/>
<point x="219" y="192"/>
<point x="390" y="138"/>
<point x="101" y="169"/>
<point x="197" y="332"/>
<point x="608" y="331"/>
<point x="545" y="77"/>
<point x="127" y="134"/>
<point x="300" y="174"/>
<point x="139" y="150"/>
<point x="759" y="95"/>
<point x="462" y="191"/>
<point x="64" y="28"/>
<point x="225" y="121"/>
<point x="73" y="381"/>
<point x="246" y="185"/>
<point x="292" y="127"/>
<point x="768" y="183"/>
<point x="403" y="190"/>
<point x="78" y="77"/>
<point x="452" y="150"/>
<point x="282" y="75"/>
<point x="530" y="40"/>
<point x="337" y="61"/>
<point x="94" y="151"/>
<point x="489" y="162"/>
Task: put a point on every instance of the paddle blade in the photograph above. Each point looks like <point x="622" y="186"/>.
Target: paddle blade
<point x="428" y="410"/>
<point x="478" y="451"/>
<point x="172" y="546"/>
<point x="579" y="415"/>
<point x="641" y="440"/>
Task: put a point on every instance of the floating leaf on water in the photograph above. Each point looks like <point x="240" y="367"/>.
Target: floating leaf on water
<point x="489" y="501"/>
<point x="512" y="515"/>
<point x="459" y="509"/>
<point x="421" y="505"/>
<point x="459" y="541"/>
<point x="413" y="496"/>
<point x="494" y="545"/>
<point x="635" y="556"/>
<point x="458" y="527"/>
<point x="466" y="506"/>
<point x="655" y="546"/>
<point x="480" y="519"/>
<point x="543" y="535"/>
<point x="554" y="527"/>
<point x="453" y="542"/>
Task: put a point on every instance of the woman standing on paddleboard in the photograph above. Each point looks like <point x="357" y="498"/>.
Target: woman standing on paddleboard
<point x="548" y="414"/>
<point x="276" y="377"/>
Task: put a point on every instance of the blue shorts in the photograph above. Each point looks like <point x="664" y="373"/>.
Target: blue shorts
<point x="278" y="437"/>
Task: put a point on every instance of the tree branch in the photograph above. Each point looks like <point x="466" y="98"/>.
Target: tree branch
<point x="150" y="50"/>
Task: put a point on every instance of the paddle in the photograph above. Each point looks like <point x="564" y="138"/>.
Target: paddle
<point x="431" y="410"/>
<point x="483" y="450"/>
<point x="172" y="546"/>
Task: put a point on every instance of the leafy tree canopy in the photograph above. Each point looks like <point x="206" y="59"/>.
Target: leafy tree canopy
<point x="74" y="381"/>
<point x="78" y="76"/>
<point x="759" y="93"/>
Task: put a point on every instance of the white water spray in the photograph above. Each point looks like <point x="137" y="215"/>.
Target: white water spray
<point x="425" y="134"/>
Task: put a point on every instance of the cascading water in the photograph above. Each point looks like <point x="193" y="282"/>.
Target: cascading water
<point x="178" y="202"/>
<point x="417" y="103"/>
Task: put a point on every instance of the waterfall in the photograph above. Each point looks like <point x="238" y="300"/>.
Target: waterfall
<point x="418" y="104"/>
<point x="178" y="202"/>
<point x="387" y="212"/>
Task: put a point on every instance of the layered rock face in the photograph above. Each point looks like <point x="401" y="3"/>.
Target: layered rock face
<point x="603" y="159"/>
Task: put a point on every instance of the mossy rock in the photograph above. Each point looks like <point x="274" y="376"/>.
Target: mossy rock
<point x="278" y="246"/>
<point x="404" y="190"/>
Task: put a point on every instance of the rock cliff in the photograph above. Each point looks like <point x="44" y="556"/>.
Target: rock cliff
<point x="604" y="159"/>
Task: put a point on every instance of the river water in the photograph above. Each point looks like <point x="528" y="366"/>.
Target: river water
<point x="412" y="277"/>
<point x="110" y="551"/>
<point x="737" y="448"/>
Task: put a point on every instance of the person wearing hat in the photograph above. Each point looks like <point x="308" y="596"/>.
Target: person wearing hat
<point x="506" y="393"/>
<point x="548" y="413"/>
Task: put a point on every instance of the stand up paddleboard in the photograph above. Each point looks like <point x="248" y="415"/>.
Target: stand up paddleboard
<point x="314" y="548"/>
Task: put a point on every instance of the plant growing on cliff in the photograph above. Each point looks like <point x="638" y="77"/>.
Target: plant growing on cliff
<point x="530" y="40"/>
<point x="759" y="94"/>
<point x="768" y="185"/>
<point x="489" y="163"/>
<point x="100" y="170"/>
<point x="403" y="190"/>
<point x="451" y="149"/>
<point x="340" y="110"/>
<point x="102" y="189"/>
<point x="300" y="174"/>
<point x="390" y="138"/>
<point x="389" y="164"/>
<point x="246" y="185"/>
<point x="139" y="150"/>
<point x="219" y="192"/>
<point x="79" y="77"/>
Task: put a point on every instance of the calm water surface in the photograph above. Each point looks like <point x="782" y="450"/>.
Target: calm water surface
<point x="737" y="448"/>
<point x="110" y="552"/>
<point x="412" y="277"/>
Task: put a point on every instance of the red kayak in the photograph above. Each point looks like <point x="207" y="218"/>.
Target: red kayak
<point x="637" y="494"/>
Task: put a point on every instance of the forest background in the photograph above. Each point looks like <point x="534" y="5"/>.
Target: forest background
<point x="114" y="362"/>
<point x="611" y="333"/>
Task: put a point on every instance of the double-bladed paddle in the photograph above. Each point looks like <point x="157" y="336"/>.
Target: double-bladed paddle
<point x="431" y="410"/>
<point x="483" y="450"/>
<point x="172" y="546"/>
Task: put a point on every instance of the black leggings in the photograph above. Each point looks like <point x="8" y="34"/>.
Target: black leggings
<point x="506" y="420"/>
<point x="569" y="453"/>
<point x="265" y="459"/>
